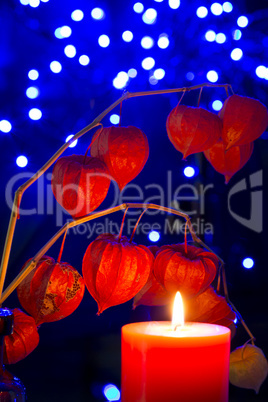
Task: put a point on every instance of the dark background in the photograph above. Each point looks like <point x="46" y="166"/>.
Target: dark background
<point x="77" y="356"/>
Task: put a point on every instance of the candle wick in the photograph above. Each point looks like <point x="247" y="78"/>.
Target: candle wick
<point x="176" y="326"/>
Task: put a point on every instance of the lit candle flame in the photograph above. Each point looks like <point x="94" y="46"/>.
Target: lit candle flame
<point x="178" y="315"/>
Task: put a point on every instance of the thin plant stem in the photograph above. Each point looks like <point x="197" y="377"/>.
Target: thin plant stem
<point x="199" y="97"/>
<point x="96" y="122"/>
<point x="62" y="246"/>
<point x="122" y="225"/>
<point x="92" y="142"/>
<point x="135" y="228"/>
<point x="185" y="238"/>
<point x="120" y="114"/>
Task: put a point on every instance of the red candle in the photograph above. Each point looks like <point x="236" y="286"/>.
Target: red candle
<point x="164" y="364"/>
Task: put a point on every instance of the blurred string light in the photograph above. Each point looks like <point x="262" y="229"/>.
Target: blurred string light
<point x="34" y="3"/>
<point x="147" y="42"/>
<point x="261" y="71"/>
<point x="74" y="143"/>
<point x="159" y="73"/>
<point x="138" y="8"/>
<point x="148" y="63"/>
<point x="70" y="51"/>
<point x="154" y="236"/>
<point x="242" y="21"/>
<point x="33" y="75"/>
<point x="63" y="32"/>
<point x="104" y="41"/>
<point x="114" y="119"/>
<point x="237" y="34"/>
<point x="217" y="105"/>
<point x="210" y="36"/>
<point x="236" y="54"/>
<point x="35" y="114"/>
<point x="216" y="9"/>
<point x="77" y="15"/>
<point x="5" y="126"/>
<point x="21" y="161"/>
<point x="163" y="41"/>
<point x="32" y="92"/>
<point x="202" y="12"/>
<point x="220" y="38"/>
<point x="111" y="392"/>
<point x="121" y="80"/>
<point x="212" y="76"/>
<point x="248" y="263"/>
<point x="84" y="60"/>
<point x="227" y="7"/>
<point x="132" y="72"/>
<point x="190" y="76"/>
<point x="127" y="36"/>
<point x="189" y="171"/>
<point x="97" y="14"/>
<point x="174" y="4"/>
<point x="149" y="16"/>
<point x="55" y="67"/>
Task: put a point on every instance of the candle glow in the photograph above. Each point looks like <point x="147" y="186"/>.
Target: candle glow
<point x="178" y="313"/>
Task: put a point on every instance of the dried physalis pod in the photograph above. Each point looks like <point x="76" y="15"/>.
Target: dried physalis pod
<point x="80" y="184"/>
<point x="192" y="129"/>
<point x="189" y="271"/>
<point x="248" y="367"/>
<point x="244" y="120"/>
<point x="228" y="162"/>
<point x="23" y="340"/>
<point x="115" y="270"/>
<point x="124" y="150"/>
<point x="51" y="291"/>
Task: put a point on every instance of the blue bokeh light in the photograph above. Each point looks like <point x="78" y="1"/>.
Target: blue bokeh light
<point x="163" y="41"/>
<point x="235" y="320"/>
<point x="104" y="41"/>
<point x="148" y="63"/>
<point x="74" y="143"/>
<point x="114" y="119"/>
<point x="189" y="171"/>
<point x="227" y="7"/>
<point x="159" y="73"/>
<point x="147" y="42"/>
<point x="212" y="76"/>
<point x="121" y="80"/>
<point x="111" y="392"/>
<point x="21" y="161"/>
<point x="248" y="263"/>
<point x="84" y="60"/>
<point x="55" y="67"/>
<point x="97" y="14"/>
<point x="174" y="4"/>
<point x="202" y="12"/>
<point x="132" y="72"/>
<point x="154" y="236"/>
<point x="216" y="9"/>
<point x="77" y="15"/>
<point x="210" y="36"/>
<point x="138" y="8"/>
<point x="32" y="92"/>
<point x="35" y="114"/>
<point x="127" y="36"/>
<point x="217" y="105"/>
<point x="220" y="38"/>
<point x="236" y="54"/>
<point x="70" y="51"/>
<point x="5" y="126"/>
<point x="237" y="34"/>
<point x="149" y="16"/>
<point x="34" y="3"/>
<point x="261" y="71"/>
<point x="190" y="76"/>
<point x="33" y="74"/>
<point x="242" y="21"/>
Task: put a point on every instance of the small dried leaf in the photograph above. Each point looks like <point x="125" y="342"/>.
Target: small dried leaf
<point x="248" y="367"/>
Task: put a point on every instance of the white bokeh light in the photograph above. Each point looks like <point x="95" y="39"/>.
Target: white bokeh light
<point x="84" y="60"/>
<point x="5" y="126"/>
<point x="236" y="54"/>
<point x="74" y="143"/>
<point x="21" y="161"/>
<point x="127" y="36"/>
<point x="77" y="15"/>
<point x="70" y="51"/>
<point x="148" y="63"/>
<point x="212" y="76"/>
<point x="202" y="12"/>
<point x="55" y="67"/>
<point x="35" y="114"/>
<point x="104" y="41"/>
